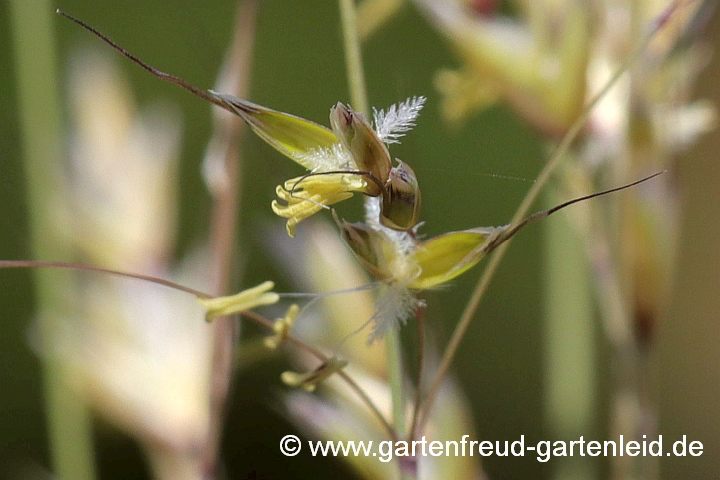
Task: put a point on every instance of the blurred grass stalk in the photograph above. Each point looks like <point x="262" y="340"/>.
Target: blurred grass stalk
<point x="222" y="168"/>
<point x="358" y="96"/>
<point x="570" y="348"/>
<point x="685" y="357"/>
<point x="630" y="245"/>
<point x="69" y="423"/>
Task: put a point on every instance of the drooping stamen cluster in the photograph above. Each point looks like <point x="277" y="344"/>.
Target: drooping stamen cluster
<point x="305" y="196"/>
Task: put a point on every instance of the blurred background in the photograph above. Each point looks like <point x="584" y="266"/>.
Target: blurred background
<point x="556" y="350"/>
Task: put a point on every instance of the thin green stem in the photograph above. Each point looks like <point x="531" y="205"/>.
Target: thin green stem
<point x="69" y="423"/>
<point x="420" y="334"/>
<point x="570" y="352"/>
<point x="562" y="149"/>
<point x="358" y="96"/>
<point x="353" y="57"/>
<point x="395" y="377"/>
<point x="229" y="132"/>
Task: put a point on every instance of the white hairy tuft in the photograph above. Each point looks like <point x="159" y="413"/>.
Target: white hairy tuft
<point x="398" y="119"/>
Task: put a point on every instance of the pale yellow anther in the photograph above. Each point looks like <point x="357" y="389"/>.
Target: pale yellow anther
<point x="305" y="196"/>
<point x="310" y="380"/>
<point x="282" y="328"/>
<point x="245" y="300"/>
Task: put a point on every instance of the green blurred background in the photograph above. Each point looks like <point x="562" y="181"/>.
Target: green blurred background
<point x="299" y="67"/>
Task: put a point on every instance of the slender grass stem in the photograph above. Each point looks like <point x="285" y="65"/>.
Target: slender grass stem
<point x="358" y="96"/>
<point x="69" y="423"/>
<point x="560" y="152"/>
<point x="108" y="271"/>
<point x="395" y="377"/>
<point x="353" y="58"/>
<point x="570" y="353"/>
<point x="229" y="130"/>
<point x="420" y="333"/>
